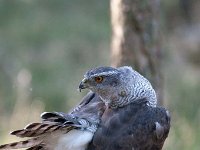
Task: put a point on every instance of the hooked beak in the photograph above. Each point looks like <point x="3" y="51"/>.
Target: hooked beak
<point x="83" y="84"/>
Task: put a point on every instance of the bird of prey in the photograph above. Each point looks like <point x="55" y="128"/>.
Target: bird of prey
<point x="119" y="113"/>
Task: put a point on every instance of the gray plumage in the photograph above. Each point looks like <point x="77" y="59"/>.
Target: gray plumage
<point x="119" y="113"/>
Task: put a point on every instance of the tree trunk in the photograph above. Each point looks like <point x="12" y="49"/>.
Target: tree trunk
<point x="136" y="38"/>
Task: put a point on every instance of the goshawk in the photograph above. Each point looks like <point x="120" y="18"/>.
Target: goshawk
<point x="119" y="113"/>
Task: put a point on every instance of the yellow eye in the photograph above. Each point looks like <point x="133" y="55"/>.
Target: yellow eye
<point x="98" y="79"/>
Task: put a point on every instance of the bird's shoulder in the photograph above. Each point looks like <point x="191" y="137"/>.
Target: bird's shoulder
<point x="126" y="127"/>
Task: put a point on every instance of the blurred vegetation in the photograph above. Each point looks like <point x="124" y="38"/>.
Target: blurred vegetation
<point x="46" y="46"/>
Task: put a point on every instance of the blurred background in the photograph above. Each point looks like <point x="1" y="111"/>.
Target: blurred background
<point x="46" y="47"/>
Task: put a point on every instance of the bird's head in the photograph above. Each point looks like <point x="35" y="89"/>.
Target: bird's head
<point x="117" y="86"/>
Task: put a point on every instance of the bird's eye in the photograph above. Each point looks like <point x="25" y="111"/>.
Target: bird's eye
<point x="98" y="79"/>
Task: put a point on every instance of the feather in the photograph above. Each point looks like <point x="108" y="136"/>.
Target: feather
<point x="22" y="144"/>
<point x="135" y="126"/>
<point x="37" y="147"/>
<point x="37" y="129"/>
<point x="56" y="117"/>
<point x="39" y="132"/>
<point x="55" y="125"/>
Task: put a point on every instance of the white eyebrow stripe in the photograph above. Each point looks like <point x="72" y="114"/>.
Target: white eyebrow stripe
<point x="104" y="73"/>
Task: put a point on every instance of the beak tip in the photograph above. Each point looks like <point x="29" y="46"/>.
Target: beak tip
<point x="78" y="89"/>
<point x="82" y="85"/>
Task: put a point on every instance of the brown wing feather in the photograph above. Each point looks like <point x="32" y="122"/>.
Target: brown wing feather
<point x="22" y="144"/>
<point x="37" y="129"/>
<point x="91" y="107"/>
<point x="37" y="147"/>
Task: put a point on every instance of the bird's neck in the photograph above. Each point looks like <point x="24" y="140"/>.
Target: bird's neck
<point x="125" y="97"/>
